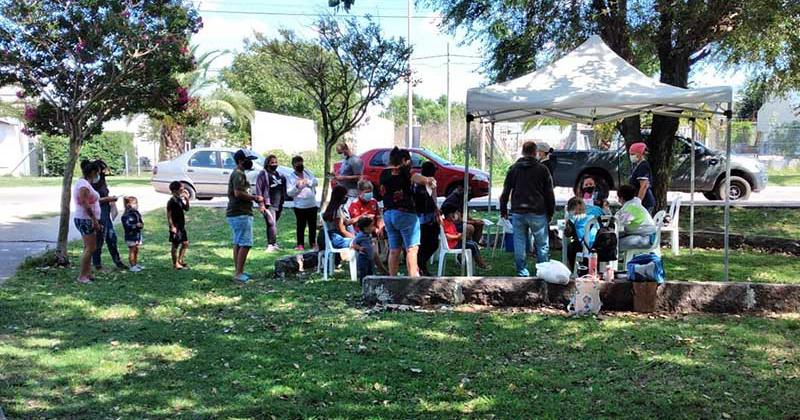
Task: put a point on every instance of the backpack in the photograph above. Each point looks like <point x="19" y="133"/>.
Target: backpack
<point x="646" y="267"/>
<point x="605" y="241"/>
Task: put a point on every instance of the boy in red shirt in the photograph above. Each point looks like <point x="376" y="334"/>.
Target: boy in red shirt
<point x="365" y="205"/>
<point x="454" y="238"/>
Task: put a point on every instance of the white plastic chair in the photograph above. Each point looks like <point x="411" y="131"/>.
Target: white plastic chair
<point x="655" y="245"/>
<point x="444" y="251"/>
<point x="673" y="226"/>
<point x="327" y="261"/>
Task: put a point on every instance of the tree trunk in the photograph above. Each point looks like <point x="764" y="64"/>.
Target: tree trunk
<point x="631" y="130"/>
<point x="172" y="141"/>
<point x="62" y="257"/>
<point x="674" y="71"/>
<point x="326" y="167"/>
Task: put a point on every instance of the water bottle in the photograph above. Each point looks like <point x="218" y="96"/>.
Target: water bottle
<point x="593" y="264"/>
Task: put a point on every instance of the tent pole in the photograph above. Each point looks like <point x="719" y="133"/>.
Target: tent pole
<point x="465" y="210"/>
<point x="692" y="187"/>
<point x="491" y="168"/>
<point x="729" y="116"/>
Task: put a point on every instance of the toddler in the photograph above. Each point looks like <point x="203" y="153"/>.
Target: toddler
<point x="132" y="223"/>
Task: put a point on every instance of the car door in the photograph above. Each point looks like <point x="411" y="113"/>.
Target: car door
<point x="682" y="164"/>
<point x="228" y="166"/>
<point x="203" y="168"/>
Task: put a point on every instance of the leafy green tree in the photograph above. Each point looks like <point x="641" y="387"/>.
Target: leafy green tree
<point x="89" y="61"/>
<point x="427" y="111"/>
<point x="349" y="67"/>
<point x="753" y="96"/>
<point x="664" y="36"/>
<point x="256" y="73"/>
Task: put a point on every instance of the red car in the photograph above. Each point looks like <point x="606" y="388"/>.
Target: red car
<point x="448" y="175"/>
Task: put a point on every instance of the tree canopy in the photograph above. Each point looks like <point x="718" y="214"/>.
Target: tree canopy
<point x="89" y="61"/>
<point x="427" y="111"/>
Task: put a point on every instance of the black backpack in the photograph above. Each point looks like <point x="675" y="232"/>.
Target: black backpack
<point x="605" y="242"/>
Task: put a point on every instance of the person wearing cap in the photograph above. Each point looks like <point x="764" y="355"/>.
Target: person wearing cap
<point x="240" y="211"/>
<point x="641" y="177"/>
<point x="545" y="155"/>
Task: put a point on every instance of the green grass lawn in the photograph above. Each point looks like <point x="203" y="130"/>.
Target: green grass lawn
<point x="164" y="344"/>
<point x="30" y="181"/>
<point x="784" y="177"/>
<point x="774" y="222"/>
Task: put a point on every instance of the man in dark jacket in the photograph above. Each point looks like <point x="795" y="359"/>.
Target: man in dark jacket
<point x="533" y="203"/>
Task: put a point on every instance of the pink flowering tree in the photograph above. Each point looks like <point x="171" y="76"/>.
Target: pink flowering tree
<point x="86" y="62"/>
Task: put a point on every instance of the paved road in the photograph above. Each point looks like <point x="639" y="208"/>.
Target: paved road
<point x="21" y="236"/>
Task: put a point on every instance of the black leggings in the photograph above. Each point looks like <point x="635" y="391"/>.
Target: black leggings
<point x="271" y="218"/>
<point x="306" y="217"/>
<point x="429" y="243"/>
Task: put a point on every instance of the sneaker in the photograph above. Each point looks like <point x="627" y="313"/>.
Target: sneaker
<point x="242" y="278"/>
<point x="299" y="248"/>
<point x="135" y="269"/>
<point x="272" y="248"/>
<point x="120" y="265"/>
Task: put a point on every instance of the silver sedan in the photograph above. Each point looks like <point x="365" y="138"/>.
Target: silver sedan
<point x="204" y="172"/>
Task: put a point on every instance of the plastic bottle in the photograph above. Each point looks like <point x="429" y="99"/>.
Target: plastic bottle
<point x="593" y="264"/>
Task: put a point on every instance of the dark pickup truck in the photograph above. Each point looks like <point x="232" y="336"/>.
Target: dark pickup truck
<point x="613" y="167"/>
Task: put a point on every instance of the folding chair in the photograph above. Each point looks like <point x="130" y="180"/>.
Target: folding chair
<point x="673" y="226"/>
<point x="327" y="260"/>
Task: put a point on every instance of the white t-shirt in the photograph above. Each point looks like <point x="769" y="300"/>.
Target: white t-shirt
<point x="92" y="201"/>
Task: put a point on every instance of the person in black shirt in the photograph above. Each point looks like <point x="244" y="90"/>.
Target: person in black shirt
<point x="176" y="207"/>
<point x="400" y="218"/>
<point x="107" y="234"/>
<point x="641" y="177"/>
<point x="428" y="215"/>
<point x="455" y="202"/>
<point x="271" y="185"/>
<point x="545" y="155"/>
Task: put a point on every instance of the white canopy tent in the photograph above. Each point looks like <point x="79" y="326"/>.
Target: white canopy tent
<point x="592" y="84"/>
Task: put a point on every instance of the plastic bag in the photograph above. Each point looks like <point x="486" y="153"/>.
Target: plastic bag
<point x="646" y="267"/>
<point x="586" y="299"/>
<point x="506" y="224"/>
<point x="553" y="272"/>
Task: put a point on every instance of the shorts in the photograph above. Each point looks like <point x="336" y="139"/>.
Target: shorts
<point x="84" y="226"/>
<point x="402" y="229"/>
<point x="179" y="237"/>
<point x="132" y="244"/>
<point x="242" y="230"/>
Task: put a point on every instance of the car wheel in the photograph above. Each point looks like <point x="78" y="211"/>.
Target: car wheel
<point x="711" y="195"/>
<point x="191" y="191"/>
<point x="740" y="189"/>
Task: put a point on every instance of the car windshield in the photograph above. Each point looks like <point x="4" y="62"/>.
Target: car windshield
<point x="440" y="160"/>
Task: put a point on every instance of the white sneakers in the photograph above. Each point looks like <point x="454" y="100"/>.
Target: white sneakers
<point x="136" y="268"/>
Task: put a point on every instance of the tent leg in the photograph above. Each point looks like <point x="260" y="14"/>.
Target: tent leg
<point x="692" y="187"/>
<point x="726" y="262"/>
<point x="466" y="198"/>
<point x="491" y="168"/>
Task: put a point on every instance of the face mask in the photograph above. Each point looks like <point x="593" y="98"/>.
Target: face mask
<point x="299" y="168"/>
<point x="272" y="168"/>
<point x="96" y="179"/>
<point x="588" y="190"/>
<point x="248" y="165"/>
<point x="367" y="196"/>
<point x="134" y="207"/>
<point x="634" y="159"/>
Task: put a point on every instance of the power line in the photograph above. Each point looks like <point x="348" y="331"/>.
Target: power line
<point x="243" y="12"/>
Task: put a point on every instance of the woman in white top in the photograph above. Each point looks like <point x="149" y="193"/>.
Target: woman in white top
<point x="86" y="215"/>
<point x="302" y="187"/>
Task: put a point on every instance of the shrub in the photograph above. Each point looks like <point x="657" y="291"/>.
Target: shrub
<point x="109" y="146"/>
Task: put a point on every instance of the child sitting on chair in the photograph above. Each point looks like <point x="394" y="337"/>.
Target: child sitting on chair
<point x="636" y="225"/>
<point x="579" y="214"/>
<point x="454" y="237"/>
<point x="363" y="245"/>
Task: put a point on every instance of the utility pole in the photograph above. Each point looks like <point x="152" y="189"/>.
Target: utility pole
<point x="410" y="140"/>
<point x="449" y="135"/>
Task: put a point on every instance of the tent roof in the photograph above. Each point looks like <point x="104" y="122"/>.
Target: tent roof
<point x="590" y="84"/>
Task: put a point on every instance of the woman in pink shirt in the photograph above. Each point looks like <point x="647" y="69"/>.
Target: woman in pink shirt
<point x="86" y="215"/>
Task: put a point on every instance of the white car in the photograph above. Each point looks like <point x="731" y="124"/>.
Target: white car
<point x="204" y="172"/>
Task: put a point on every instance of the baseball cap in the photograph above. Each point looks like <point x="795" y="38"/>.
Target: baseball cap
<point x="243" y="154"/>
<point x="542" y="146"/>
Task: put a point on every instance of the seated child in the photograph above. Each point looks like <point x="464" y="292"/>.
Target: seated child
<point x="132" y="223"/>
<point x="363" y="245"/>
<point x="579" y="214"/>
<point x="454" y="237"/>
<point x="636" y="224"/>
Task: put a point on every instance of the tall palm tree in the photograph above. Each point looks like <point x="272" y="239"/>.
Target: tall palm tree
<point x="214" y="100"/>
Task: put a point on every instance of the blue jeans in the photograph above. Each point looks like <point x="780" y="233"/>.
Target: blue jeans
<point x="524" y="224"/>
<point x="109" y="236"/>
<point x="402" y="229"/>
<point x="338" y="241"/>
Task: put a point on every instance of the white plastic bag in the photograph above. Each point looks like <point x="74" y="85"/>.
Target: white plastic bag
<point x="553" y="272"/>
<point x="506" y="224"/>
<point x="586" y="299"/>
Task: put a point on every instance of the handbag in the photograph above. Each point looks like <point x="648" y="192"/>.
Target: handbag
<point x="586" y="299"/>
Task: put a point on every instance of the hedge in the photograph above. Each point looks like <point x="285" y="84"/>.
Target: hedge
<point x="109" y="146"/>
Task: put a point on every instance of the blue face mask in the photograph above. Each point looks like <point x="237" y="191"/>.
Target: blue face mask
<point x="96" y="179"/>
<point x="367" y="196"/>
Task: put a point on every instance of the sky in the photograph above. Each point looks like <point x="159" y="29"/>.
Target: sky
<point x="227" y="31"/>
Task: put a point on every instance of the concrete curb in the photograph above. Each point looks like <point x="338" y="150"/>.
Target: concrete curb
<point x="673" y="296"/>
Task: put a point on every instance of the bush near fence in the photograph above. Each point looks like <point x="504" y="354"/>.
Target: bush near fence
<point x="109" y="146"/>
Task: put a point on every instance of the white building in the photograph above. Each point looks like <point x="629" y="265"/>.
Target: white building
<point x="281" y="132"/>
<point x="17" y="157"/>
<point x="374" y="132"/>
<point x="776" y="112"/>
<point x="146" y="150"/>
